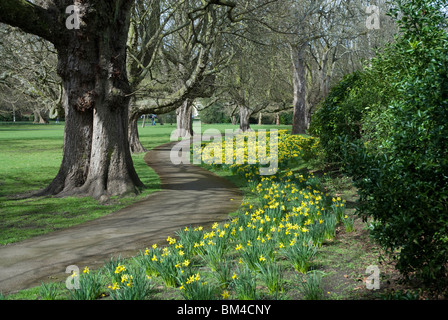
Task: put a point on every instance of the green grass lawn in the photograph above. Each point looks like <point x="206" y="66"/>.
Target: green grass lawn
<point x="30" y="156"/>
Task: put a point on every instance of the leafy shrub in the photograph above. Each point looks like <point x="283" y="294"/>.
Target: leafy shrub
<point x="337" y="117"/>
<point x="400" y="164"/>
<point x="354" y="109"/>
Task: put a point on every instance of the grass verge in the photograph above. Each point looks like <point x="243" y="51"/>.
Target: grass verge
<point x="339" y="265"/>
<point x="30" y="158"/>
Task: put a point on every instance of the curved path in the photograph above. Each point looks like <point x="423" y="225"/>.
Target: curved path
<point x="189" y="196"/>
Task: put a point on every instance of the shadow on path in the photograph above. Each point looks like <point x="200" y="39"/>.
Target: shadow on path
<point x="190" y="196"/>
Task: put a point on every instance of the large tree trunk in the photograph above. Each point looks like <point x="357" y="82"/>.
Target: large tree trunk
<point x="38" y="118"/>
<point x="245" y="114"/>
<point x="77" y="150"/>
<point x="324" y="75"/>
<point x="92" y="64"/>
<point x="300" y="119"/>
<point x="184" y="119"/>
<point x="135" y="144"/>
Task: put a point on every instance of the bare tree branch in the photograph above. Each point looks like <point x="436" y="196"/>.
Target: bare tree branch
<point x="30" y="18"/>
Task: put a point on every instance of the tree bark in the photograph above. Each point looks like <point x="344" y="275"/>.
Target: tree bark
<point x="92" y="64"/>
<point x="32" y="18"/>
<point x="184" y="119"/>
<point x="42" y="120"/>
<point x="326" y="73"/>
<point x="245" y="114"/>
<point x="76" y="154"/>
<point x="135" y="144"/>
<point x="300" y="122"/>
<point x="39" y="118"/>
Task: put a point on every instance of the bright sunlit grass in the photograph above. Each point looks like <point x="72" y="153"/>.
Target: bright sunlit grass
<point x="30" y="156"/>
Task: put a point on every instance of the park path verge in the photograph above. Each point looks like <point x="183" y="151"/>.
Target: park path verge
<point x="190" y="196"/>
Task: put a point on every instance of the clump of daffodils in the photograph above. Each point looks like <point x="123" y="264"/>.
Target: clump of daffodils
<point x="290" y="220"/>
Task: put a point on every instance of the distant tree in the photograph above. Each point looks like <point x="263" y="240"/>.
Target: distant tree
<point x="256" y="80"/>
<point x="171" y="59"/>
<point x="91" y="42"/>
<point x="324" y="38"/>
<point x="28" y="73"/>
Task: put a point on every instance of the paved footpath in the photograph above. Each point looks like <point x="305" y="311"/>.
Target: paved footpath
<point x="189" y="196"/>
